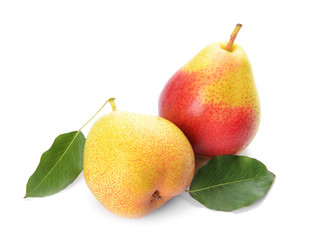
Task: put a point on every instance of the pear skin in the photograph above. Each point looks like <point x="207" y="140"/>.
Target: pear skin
<point x="134" y="163"/>
<point x="213" y="100"/>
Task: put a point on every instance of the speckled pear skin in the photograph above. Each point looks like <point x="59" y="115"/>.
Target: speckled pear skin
<point x="134" y="163"/>
<point x="214" y="101"/>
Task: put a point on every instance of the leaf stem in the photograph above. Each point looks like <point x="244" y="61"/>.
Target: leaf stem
<point x="114" y="108"/>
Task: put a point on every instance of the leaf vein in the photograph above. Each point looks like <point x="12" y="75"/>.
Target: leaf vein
<point x="224" y="184"/>
<point x="54" y="166"/>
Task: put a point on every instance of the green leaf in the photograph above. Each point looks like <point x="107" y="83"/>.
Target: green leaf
<point x="59" y="166"/>
<point x="229" y="182"/>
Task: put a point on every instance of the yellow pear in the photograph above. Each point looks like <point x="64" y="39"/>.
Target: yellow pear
<point x="134" y="163"/>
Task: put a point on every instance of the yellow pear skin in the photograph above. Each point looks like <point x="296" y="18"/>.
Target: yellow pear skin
<point x="134" y="163"/>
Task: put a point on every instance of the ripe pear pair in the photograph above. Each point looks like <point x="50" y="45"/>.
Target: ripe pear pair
<point x="134" y="163"/>
<point x="213" y="99"/>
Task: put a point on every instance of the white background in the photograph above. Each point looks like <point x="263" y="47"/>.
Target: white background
<point x="61" y="60"/>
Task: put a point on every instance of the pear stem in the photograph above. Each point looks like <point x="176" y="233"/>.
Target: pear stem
<point x="233" y="37"/>
<point x="113" y="105"/>
<point x="111" y="100"/>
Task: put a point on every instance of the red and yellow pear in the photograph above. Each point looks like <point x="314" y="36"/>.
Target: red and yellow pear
<point x="213" y="99"/>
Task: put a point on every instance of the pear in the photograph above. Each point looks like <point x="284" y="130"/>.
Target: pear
<point x="213" y="99"/>
<point x="134" y="163"/>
